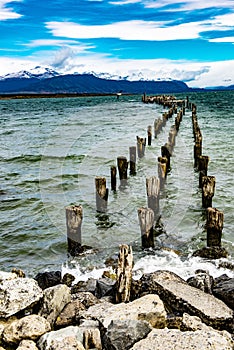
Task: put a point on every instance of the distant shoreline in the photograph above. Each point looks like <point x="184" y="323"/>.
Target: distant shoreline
<point x="56" y="95"/>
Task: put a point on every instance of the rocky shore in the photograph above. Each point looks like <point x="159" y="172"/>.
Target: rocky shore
<point x="165" y="312"/>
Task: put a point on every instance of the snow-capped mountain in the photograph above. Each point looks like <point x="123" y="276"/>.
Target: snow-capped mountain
<point x="37" y="73"/>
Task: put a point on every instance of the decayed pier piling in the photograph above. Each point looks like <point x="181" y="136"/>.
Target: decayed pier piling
<point x="124" y="274"/>
<point x="101" y="194"/>
<point x="74" y="217"/>
<point x="146" y="220"/>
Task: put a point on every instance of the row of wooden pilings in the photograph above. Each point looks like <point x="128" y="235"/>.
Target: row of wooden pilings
<point x="214" y="223"/>
<point x="148" y="216"/>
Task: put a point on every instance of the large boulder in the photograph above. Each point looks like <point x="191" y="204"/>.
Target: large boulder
<point x="55" y="299"/>
<point x="27" y="345"/>
<point x="69" y="338"/>
<point x="28" y="327"/>
<point x="179" y="296"/>
<point x="18" y="294"/>
<point x="159" y="339"/>
<point x="70" y="314"/>
<point x="123" y="334"/>
<point x="149" y="308"/>
<point x="224" y="290"/>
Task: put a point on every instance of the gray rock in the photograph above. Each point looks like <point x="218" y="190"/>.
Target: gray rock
<point x="86" y="298"/>
<point x="105" y="287"/>
<point x="27" y="345"/>
<point x="55" y="299"/>
<point x="85" y="286"/>
<point x="28" y="327"/>
<point x="159" y="339"/>
<point x="149" y="308"/>
<point x="69" y="338"/>
<point x="48" y="279"/>
<point x="70" y="314"/>
<point x="178" y="295"/>
<point x="17" y="294"/>
<point x="202" y="280"/>
<point x="123" y="334"/>
<point x="224" y="290"/>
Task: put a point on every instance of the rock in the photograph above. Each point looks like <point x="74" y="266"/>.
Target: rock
<point x="224" y="290"/>
<point x="122" y="334"/>
<point x="159" y="339"/>
<point x="178" y="295"/>
<point x="211" y="252"/>
<point x="28" y="327"/>
<point x="69" y="338"/>
<point x="193" y="323"/>
<point x="27" y="345"/>
<point x="68" y="279"/>
<point x="85" y="286"/>
<point x="1" y="348"/>
<point x="55" y="299"/>
<point x="17" y="294"/>
<point x="86" y="298"/>
<point x="18" y="272"/>
<point x="5" y="276"/>
<point x="48" y="279"/>
<point x="105" y="287"/>
<point x="70" y="314"/>
<point x="149" y="308"/>
<point x="91" y="334"/>
<point x="202" y="280"/>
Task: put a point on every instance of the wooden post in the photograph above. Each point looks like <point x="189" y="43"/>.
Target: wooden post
<point x="208" y="189"/>
<point x="197" y="152"/>
<point x="146" y="220"/>
<point x="214" y="227"/>
<point x="101" y="194"/>
<point x="141" y="142"/>
<point x="74" y="216"/>
<point x="158" y="123"/>
<point x="132" y="153"/>
<point x="166" y="153"/>
<point x="202" y="167"/>
<point x="153" y="189"/>
<point x="162" y="170"/>
<point x="113" y="178"/>
<point x="122" y="163"/>
<point x="124" y="274"/>
<point x="149" y="132"/>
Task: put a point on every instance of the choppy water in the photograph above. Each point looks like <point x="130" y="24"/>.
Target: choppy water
<point x="52" y="149"/>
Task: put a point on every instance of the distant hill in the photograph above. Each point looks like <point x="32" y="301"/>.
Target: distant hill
<point x="82" y="83"/>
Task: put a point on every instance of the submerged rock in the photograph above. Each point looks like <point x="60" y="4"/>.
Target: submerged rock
<point x="211" y="253"/>
<point x="18" y="294"/>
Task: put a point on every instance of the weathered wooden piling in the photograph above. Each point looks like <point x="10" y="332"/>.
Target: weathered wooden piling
<point x="74" y="217"/>
<point x="146" y="221"/>
<point x="122" y="164"/>
<point x="172" y="136"/>
<point x="162" y="170"/>
<point x="113" y="178"/>
<point x="132" y="163"/>
<point x="101" y="194"/>
<point x="124" y="274"/>
<point x="214" y="226"/>
<point x="208" y="189"/>
<point x="158" y="124"/>
<point x="165" y="152"/>
<point x="197" y="151"/>
<point x="153" y="190"/>
<point x="141" y="142"/>
<point x="202" y="165"/>
<point x="149" y="133"/>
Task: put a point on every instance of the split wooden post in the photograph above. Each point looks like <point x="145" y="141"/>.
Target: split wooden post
<point x="162" y="170"/>
<point x="141" y="142"/>
<point x="74" y="217"/>
<point x="122" y="163"/>
<point x="101" y="194"/>
<point x="113" y="178"/>
<point x="153" y="190"/>
<point x="149" y="132"/>
<point x="146" y="220"/>
<point x="132" y="156"/>
<point x="202" y="167"/>
<point x="124" y="274"/>
<point x="208" y="189"/>
<point x="214" y="227"/>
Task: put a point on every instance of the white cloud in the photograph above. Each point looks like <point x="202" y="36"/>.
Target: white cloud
<point x="7" y="13"/>
<point x="141" y="30"/>
<point x="49" y="42"/>
<point x="228" y="39"/>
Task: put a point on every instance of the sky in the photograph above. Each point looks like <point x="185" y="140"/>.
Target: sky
<point x="188" y="40"/>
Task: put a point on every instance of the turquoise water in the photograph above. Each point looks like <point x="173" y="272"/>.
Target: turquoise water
<point x="52" y="149"/>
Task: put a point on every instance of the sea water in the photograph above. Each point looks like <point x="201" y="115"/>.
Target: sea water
<point x="51" y="150"/>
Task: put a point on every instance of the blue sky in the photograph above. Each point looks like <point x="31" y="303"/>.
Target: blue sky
<point x="189" y="40"/>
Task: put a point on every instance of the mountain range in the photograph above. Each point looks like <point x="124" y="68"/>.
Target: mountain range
<point x="41" y="80"/>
